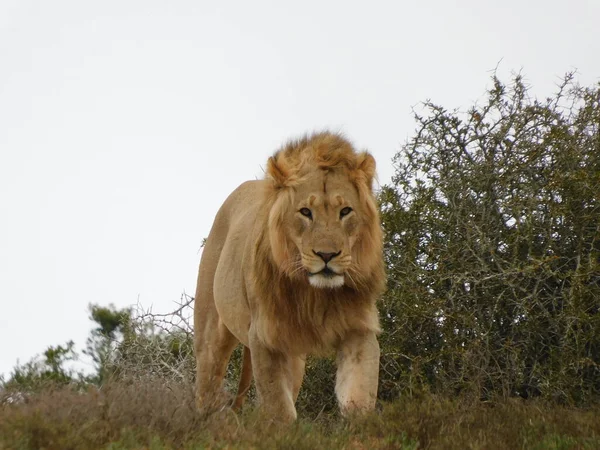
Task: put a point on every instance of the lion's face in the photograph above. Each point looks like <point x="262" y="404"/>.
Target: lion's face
<point x="322" y="219"/>
<point x="324" y="228"/>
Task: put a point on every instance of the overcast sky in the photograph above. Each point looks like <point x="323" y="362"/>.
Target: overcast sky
<point x="125" y="124"/>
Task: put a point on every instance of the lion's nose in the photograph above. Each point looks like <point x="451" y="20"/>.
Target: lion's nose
<point x="326" y="256"/>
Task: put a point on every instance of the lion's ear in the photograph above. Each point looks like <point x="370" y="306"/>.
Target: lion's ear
<point x="366" y="164"/>
<point x="278" y="171"/>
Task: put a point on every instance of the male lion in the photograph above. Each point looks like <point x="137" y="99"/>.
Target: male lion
<point x="293" y="265"/>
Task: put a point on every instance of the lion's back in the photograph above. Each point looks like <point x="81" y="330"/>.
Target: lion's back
<point x="237" y="210"/>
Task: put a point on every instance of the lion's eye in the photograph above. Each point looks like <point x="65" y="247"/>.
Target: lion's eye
<point x="345" y="211"/>
<point x="306" y="212"/>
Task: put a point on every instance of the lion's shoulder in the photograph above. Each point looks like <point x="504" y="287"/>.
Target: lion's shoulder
<point x="246" y="196"/>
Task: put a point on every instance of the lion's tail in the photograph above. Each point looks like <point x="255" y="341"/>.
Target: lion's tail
<point x="245" y="380"/>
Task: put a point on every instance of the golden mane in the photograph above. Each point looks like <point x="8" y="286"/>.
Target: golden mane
<point x="295" y="317"/>
<point x="324" y="151"/>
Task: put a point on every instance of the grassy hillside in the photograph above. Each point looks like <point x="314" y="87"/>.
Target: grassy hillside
<point x="151" y="415"/>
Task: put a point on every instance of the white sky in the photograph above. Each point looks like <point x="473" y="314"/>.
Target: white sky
<point x="125" y="124"/>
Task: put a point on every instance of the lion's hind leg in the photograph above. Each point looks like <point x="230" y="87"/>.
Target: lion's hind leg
<point x="245" y="380"/>
<point x="214" y="346"/>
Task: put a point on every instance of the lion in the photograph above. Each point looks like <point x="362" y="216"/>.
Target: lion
<point x="293" y="266"/>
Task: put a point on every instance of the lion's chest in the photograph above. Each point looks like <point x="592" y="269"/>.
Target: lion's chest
<point x="313" y="325"/>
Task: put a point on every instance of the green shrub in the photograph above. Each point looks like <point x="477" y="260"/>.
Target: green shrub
<point x="493" y="247"/>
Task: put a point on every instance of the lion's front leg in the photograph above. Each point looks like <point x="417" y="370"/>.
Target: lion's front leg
<point x="276" y="380"/>
<point x="357" y="372"/>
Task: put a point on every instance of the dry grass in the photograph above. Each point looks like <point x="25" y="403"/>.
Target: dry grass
<point x="159" y="415"/>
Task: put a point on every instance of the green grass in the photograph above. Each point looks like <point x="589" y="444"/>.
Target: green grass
<point x="158" y="416"/>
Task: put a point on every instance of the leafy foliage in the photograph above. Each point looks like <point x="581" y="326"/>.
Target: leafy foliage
<point x="112" y="327"/>
<point x="493" y="247"/>
<point x="41" y="372"/>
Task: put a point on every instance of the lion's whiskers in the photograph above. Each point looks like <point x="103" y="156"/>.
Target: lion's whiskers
<point x="355" y="276"/>
<point x="294" y="267"/>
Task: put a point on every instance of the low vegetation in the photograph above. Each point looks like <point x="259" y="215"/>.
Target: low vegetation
<point x="157" y="415"/>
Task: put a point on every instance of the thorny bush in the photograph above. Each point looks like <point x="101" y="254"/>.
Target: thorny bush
<point x="493" y="247"/>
